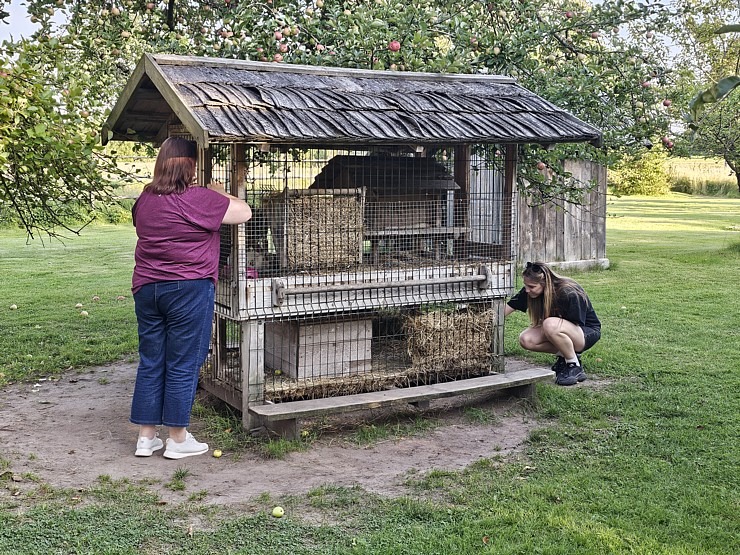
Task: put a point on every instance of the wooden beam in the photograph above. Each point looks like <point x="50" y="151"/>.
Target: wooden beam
<point x="173" y="59"/>
<point x="128" y="91"/>
<point x="175" y="101"/>
<point x="315" y="407"/>
<point x="507" y="219"/>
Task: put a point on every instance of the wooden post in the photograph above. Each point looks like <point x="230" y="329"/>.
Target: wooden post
<point x="252" y="352"/>
<point x="205" y="166"/>
<point x="239" y="232"/>
<point x="507" y="219"/>
<point x="497" y="337"/>
<point x="462" y="178"/>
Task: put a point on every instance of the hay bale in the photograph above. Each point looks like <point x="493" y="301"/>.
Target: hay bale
<point x="450" y="341"/>
<point x="317" y="231"/>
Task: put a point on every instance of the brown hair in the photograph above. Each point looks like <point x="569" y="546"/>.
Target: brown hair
<point x="175" y="167"/>
<point x="554" y="286"/>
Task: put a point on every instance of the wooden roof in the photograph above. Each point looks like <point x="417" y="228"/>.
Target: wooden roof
<point x="220" y="100"/>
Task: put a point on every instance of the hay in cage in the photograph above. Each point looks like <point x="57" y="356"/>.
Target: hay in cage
<point x="392" y="369"/>
<point x="450" y="341"/>
<point x="317" y="231"/>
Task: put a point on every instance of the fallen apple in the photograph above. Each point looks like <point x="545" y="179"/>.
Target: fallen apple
<point x="217" y="453"/>
<point x="278" y="512"/>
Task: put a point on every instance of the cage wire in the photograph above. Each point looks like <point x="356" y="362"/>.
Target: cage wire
<point x="360" y="270"/>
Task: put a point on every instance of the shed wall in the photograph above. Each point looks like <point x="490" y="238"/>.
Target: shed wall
<point x="563" y="232"/>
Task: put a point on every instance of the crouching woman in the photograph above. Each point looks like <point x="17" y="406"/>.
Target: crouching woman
<point x="562" y="320"/>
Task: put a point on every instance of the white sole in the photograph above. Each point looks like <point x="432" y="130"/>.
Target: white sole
<point x="176" y="455"/>
<point x="147" y="452"/>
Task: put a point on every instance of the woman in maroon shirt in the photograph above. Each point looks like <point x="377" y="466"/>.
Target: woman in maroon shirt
<point x="176" y="267"/>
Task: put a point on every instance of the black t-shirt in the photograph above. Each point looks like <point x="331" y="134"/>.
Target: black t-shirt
<point x="572" y="306"/>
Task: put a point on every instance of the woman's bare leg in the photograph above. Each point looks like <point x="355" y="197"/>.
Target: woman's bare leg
<point x="555" y="335"/>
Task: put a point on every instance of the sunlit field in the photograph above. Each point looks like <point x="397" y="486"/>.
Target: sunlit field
<point x="702" y="176"/>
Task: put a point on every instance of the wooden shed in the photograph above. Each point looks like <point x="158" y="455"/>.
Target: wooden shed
<point x="384" y="241"/>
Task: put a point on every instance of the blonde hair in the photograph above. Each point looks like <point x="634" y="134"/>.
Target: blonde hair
<point x="175" y="167"/>
<point x="553" y="286"/>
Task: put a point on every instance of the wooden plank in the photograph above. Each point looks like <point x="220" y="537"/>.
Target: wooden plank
<point x="252" y="349"/>
<point x="347" y="403"/>
<point x="174" y="59"/>
<point x="507" y="221"/>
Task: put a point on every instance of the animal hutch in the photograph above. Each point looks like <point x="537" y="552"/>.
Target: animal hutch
<point x="381" y="251"/>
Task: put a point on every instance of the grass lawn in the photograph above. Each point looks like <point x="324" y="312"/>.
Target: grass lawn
<point x="645" y="461"/>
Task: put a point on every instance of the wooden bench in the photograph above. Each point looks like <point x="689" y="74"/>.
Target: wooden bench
<point x="282" y="418"/>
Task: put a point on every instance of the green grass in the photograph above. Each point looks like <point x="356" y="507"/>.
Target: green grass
<point x="47" y="334"/>
<point x="643" y="462"/>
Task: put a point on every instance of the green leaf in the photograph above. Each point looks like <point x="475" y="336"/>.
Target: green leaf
<point x="713" y="94"/>
<point x="734" y="28"/>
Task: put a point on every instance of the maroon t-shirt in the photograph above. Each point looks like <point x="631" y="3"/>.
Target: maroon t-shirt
<point x="178" y="236"/>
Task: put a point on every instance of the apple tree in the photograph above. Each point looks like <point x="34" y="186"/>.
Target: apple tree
<point x="53" y="173"/>
<point x="603" y="61"/>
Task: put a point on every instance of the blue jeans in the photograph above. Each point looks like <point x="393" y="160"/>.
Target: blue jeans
<point x="175" y="319"/>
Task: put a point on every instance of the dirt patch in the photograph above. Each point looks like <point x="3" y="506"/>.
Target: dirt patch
<point x="70" y="431"/>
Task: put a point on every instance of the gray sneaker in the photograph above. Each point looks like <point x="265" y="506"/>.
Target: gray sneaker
<point x="145" y="446"/>
<point x="571" y="375"/>
<point x="188" y="448"/>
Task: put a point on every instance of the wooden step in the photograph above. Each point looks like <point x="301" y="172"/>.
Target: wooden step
<point x="293" y="410"/>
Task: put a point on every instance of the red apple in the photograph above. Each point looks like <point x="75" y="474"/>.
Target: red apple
<point x="283" y="48"/>
<point x="150" y="6"/>
<point x="394" y="46"/>
<point x="569" y="14"/>
<point x="667" y="102"/>
<point x="278" y="35"/>
<point x="646" y="84"/>
<point x="649" y="34"/>
<point x="541" y="166"/>
<point x="595" y="35"/>
<point x="277" y="58"/>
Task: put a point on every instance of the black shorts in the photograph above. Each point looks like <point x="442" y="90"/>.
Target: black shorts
<point x="591" y="336"/>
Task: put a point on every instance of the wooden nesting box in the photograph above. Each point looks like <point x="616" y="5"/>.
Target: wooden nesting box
<point x="315" y="229"/>
<point x="316" y="349"/>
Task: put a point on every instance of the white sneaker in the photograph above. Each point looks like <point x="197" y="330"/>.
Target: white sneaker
<point x="145" y="446"/>
<point x="187" y="448"/>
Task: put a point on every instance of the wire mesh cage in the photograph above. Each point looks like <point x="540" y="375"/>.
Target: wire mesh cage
<point x="360" y="270"/>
